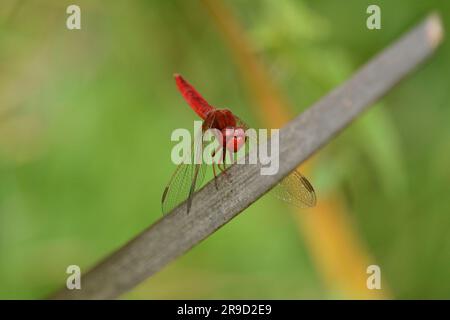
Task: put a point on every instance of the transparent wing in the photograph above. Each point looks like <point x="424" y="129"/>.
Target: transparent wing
<point x="187" y="178"/>
<point x="296" y="190"/>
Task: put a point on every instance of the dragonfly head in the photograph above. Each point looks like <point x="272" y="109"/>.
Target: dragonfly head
<point x="224" y="120"/>
<point x="234" y="138"/>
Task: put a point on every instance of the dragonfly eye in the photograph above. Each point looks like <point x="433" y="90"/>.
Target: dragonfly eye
<point x="234" y="138"/>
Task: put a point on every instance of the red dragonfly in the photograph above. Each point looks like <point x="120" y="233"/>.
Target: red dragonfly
<point x="188" y="177"/>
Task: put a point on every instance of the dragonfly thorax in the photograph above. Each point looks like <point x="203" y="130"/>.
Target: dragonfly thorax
<point x="219" y="119"/>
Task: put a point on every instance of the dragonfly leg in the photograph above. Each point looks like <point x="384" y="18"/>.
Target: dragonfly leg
<point x="215" y="175"/>
<point x="224" y="154"/>
<point x="223" y="170"/>
<point x="219" y="162"/>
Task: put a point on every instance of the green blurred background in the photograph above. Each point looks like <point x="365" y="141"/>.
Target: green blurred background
<point x="85" y="124"/>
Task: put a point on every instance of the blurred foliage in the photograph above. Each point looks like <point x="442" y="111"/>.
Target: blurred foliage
<point x="85" y="123"/>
